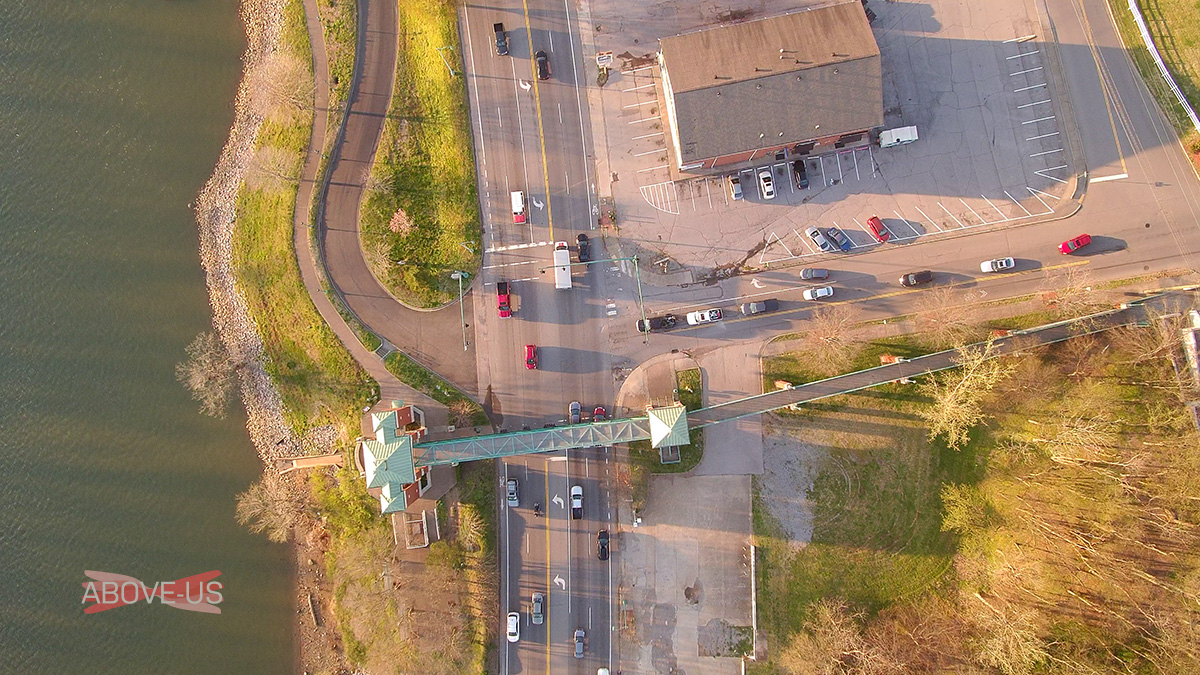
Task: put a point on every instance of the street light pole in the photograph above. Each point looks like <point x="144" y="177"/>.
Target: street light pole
<point x="462" y="316"/>
<point x="439" y="51"/>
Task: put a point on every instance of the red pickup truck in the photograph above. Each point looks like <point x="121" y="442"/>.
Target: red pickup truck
<point x="503" y="303"/>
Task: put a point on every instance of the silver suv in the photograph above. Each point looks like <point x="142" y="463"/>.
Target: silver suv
<point x="820" y="240"/>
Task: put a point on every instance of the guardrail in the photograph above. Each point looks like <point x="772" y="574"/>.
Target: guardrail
<point x="1162" y="67"/>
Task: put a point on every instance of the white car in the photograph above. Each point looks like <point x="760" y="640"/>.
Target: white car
<point x="576" y="502"/>
<point x="735" y="188"/>
<point x="766" y="183"/>
<point x="820" y="240"/>
<point x="514" y="627"/>
<point x="703" y="316"/>
<point x="997" y="265"/>
<point x="818" y="293"/>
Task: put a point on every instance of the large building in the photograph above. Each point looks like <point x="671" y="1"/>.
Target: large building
<point x="793" y="83"/>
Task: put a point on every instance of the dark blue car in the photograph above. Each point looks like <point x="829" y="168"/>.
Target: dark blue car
<point x="839" y="239"/>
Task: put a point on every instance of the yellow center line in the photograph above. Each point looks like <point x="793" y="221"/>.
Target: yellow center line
<point x="907" y="291"/>
<point x="537" y="100"/>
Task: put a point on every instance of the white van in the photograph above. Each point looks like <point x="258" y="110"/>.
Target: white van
<point x="893" y="137"/>
<point x="518" y="207"/>
<point x="562" y="265"/>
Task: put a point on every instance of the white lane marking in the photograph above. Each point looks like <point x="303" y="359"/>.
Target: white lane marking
<point x="511" y="264"/>
<point x="514" y="247"/>
<point x="1102" y="179"/>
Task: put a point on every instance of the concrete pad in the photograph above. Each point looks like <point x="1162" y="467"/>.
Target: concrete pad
<point x="732" y="448"/>
<point x="683" y="572"/>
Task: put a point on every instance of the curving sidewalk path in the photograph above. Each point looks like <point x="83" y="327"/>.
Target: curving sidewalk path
<point x="430" y="337"/>
<point x="390" y="387"/>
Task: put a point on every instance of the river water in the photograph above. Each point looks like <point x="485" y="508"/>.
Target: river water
<point x="112" y="115"/>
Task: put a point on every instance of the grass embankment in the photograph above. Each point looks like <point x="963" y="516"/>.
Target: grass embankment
<point x="1176" y="34"/>
<point x="317" y="379"/>
<point x="463" y="410"/>
<point x="1062" y="538"/>
<point x="430" y="619"/>
<point x="644" y="459"/>
<point x="421" y="206"/>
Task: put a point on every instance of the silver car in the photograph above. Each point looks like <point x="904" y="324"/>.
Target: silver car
<point x="820" y="240"/>
<point x="537" y="609"/>
<point x="575" y="411"/>
<point x="579" y="638"/>
<point x="818" y="293"/>
<point x="809" y="273"/>
<point x="510" y="493"/>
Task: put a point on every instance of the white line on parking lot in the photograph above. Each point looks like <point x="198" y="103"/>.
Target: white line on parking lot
<point x="951" y="215"/>
<point x="907" y="223"/>
<point x="1034" y="138"/>
<point x="1032" y="86"/>
<point x="973" y="211"/>
<point x="644" y="119"/>
<point x="1048" y="152"/>
<point x="653" y="168"/>
<point x="1017" y="56"/>
<point x="1036" y="196"/>
<point x="652" y="152"/>
<point x="1040" y="119"/>
<point x="638" y="70"/>
<point x="1006" y="218"/>
<point x="1026" y="38"/>
<point x="638" y="105"/>
<point x="657" y="133"/>
<point x="804" y="240"/>
<point x="1053" y="168"/>
<point x="642" y="86"/>
<point x="928" y="219"/>
<point x="1030" y="105"/>
<point x="855" y="156"/>
<point x="1027" y="70"/>
<point x="1102" y="179"/>
<point x="1014" y="199"/>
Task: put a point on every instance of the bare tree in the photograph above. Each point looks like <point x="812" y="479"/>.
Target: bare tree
<point x="280" y="86"/>
<point x="273" y="168"/>
<point x="462" y="412"/>
<point x="1071" y="291"/>
<point x="1009" y="640"/>
<point x="958" y="394"/>
<point x="832" y="643"/>
<point x="950" y="316"/>
<point x="269" y="506"/>
<point x="471" y="528"/>
<point x="826" y="335"/>
<point x="208" y="373"/>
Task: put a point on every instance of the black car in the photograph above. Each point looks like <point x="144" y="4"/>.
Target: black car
<point x="801" y="174"/>
<point x="666" y="322"/>
<point x="809" y="273"/>
<point x="585" y="248"/>
<point x="602" y="544"/>
<point x="916" y="278"/>
<point x="543" y="65"/>
<point x="761" y="307"/>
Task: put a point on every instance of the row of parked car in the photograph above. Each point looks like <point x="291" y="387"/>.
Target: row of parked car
<point x="766" y="182"/>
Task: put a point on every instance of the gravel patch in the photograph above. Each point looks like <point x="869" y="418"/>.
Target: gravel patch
<point x="790" y="466"/>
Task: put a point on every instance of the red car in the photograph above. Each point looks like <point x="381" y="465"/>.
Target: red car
<point x="878" y="231"/>
<point x="502" y="299"/>
<point x="1072" y="245"/>
<point x="598" y="414"/>
<point x="531" y="357"/>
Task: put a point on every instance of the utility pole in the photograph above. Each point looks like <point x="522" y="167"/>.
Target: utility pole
<point x="462" y="316"/>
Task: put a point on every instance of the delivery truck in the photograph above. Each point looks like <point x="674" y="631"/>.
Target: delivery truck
<point x="562" y="265"/>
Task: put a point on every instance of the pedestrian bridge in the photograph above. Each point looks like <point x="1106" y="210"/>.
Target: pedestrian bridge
<point x="669" y="426"/>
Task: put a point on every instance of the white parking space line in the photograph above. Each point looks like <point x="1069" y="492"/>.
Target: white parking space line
<point x="653" y="168"/>
<point x="874" y="166"/>
<point x="1034" y="138"/>
<point x="638" y="105"/>
<point x="638" y="70"/>
<point x="821" y="161"/>
<point x="1027" y="70"/>
<point x="929" y="220"/>
<point x="708" y="191"/>
<point x="1048" y="152"/>
<point x="907" y="223"/>
<point x="951" y="215"/>
<point x="1041" y="173"/>
<point x="775" y="239"/>
<point x="652" y="152"/>
<point x="1006" y="218"/>
<point x="1037" y="195"/>
<point x="805" y="240"/>
<point x="643" y="86"/>
<point x="1014" y="199"/>
<point x="1025" y="38"/>
<point x="644" y="119"/>
<point x="657" y="133"/>
<point x="973" y="211"/>
<point x="854" y="155"/>
<point x="1032" y="86"/>
<point x="1017" y="56"/>
<point x="1040" y="119"/>
<point x="1103" y="179"/>
<point x="1030" y="105"/>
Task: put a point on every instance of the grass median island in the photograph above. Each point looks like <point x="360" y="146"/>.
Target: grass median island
<point x="1175" y="30"/>
<point x="420" y="216"/>
<point x="316" y="377"/>
<point x="1063" y="537"/>
<point x="463" y="411"/>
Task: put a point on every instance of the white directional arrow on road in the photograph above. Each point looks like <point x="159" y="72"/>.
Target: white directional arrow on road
<point x="559" y="500"/>
<point x="537" y="203"/>
<point x="756" y="283"/>
<point x="559" y="580"/>
<point x="525" y="85"/>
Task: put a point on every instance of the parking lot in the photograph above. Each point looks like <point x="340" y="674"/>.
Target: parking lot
<point x="991" y="149"/>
